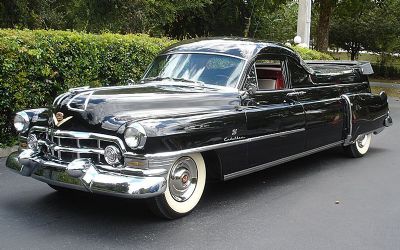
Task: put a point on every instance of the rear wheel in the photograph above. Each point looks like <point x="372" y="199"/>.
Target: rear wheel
<point x="185" y="185"/>
<point x="360" y="146"/>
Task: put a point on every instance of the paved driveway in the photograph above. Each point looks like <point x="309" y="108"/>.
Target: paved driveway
<point x="291" y="206"/>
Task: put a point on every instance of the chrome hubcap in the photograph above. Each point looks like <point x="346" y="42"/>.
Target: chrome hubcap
<point x="361" y="141"/>
<point x="183" y="179"/>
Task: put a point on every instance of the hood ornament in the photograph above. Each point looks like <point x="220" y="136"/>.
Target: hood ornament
<point x="58" y="119"/>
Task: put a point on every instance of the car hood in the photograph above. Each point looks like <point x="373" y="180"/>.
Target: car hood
<point x="111" y="107"/>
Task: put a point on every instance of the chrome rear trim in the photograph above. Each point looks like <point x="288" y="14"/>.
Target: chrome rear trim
<point x="349" y="113"/>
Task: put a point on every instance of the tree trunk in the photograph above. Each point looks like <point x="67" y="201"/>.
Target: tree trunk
<point x="355" y="50"/>
<point x="353" y="55"/>
<point x="247" y="26"/>
<point x="325" y="13"/>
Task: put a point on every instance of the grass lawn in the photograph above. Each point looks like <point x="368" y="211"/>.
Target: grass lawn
<point x="392" y="92"/>
<point x="363" y="57"/>
<point x="395" y="81"/>
<point x="373" y="58"/>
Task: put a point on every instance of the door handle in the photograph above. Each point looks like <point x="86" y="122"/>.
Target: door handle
<point x="296" y="93"/>
<point x="291" y="94"/>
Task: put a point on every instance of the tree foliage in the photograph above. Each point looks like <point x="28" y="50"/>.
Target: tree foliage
<point x="327" y="10"/>
<point x="367" y="26"/>
<point x="178" y="19"/>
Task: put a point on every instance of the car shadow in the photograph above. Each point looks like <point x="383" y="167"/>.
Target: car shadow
<point x="283" y="174"/>
<point x="78" y="212"/>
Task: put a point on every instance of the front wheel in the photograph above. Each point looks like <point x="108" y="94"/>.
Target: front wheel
<point x="360" y="147"/>
<point x="185" y="185"/>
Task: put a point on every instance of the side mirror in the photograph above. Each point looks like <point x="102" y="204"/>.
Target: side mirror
<point x="251" y="89"/>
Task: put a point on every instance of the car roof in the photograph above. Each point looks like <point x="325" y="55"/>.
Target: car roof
<point x="233" y="46"/>
<point x="244" y="48"/>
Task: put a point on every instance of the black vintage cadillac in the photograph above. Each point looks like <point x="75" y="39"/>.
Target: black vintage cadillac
<point x="205" y="110"/>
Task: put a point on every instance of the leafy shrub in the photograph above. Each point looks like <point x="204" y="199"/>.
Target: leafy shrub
<point x="37" y="65"/>
<point x="309" y="54"/>
<point x="386" y="71"/>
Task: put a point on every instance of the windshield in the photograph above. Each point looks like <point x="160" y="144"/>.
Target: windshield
<point x="199" y="68"/>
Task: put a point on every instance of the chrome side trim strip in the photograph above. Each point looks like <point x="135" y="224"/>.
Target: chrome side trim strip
<point x="279" y="161"/>
<point x="87" y="100"/>
<point x="89" y="94"/>
<point x="218" y="145"/>
<point x="203" y="52"/>
<point x="60" y="98"/>
<point x="86" y="135"/>
<point x="322" y="85"/>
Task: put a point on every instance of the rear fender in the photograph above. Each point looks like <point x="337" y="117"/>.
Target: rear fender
<point x="365" y="113"/>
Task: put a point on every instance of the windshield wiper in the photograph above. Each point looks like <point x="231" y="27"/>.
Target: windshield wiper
<point x="181" y="79"/>
<point x="156" y="78"/>
<point x="188" y="80"/>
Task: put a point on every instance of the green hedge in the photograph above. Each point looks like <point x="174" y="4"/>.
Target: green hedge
<point x="36" y="66"/>
<point x="386" y="71"/>
<point x="309" y="54"/>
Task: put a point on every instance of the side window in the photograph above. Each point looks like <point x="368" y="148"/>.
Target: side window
<point x="270" y="72"/>
<point x="298" y="76"/>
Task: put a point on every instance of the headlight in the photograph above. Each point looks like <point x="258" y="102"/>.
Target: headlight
<point x="135" y="136"/>
<point x="21" y="122"/>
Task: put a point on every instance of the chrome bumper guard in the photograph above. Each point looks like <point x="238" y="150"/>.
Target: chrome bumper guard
<point x="388" y="121"/>
<point x="82" y="174"/>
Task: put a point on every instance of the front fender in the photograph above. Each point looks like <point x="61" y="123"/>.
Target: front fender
<point x="190" y="131"/>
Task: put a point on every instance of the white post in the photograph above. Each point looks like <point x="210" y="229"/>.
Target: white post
<point x="304" y="22"/>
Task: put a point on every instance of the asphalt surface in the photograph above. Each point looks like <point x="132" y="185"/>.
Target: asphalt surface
<point x="292" y="206"/>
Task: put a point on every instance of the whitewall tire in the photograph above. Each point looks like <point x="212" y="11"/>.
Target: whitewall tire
<point x="185" y="185"/>
<point x="360" y="146"/>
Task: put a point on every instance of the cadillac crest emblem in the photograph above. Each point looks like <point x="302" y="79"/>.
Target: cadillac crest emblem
<point x="58" y="119"/>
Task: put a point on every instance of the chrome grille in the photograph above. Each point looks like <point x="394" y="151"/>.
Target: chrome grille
<point x="70" y="145"/>
<point x="68" y="149"/>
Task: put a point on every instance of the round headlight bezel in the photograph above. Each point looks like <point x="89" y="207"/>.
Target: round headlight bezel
<point x="135" y="136"/>
<point x="21" y="122"/>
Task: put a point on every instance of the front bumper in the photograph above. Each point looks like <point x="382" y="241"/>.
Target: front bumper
<point x="82" y="174"/>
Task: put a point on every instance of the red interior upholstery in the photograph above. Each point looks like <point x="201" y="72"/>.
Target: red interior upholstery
<point x="272" y="73"/>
